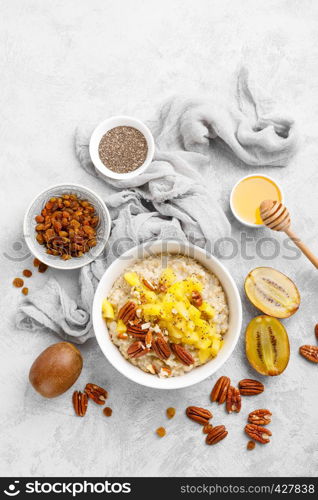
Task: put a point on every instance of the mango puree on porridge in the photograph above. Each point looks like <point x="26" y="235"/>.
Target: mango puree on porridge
<point x="167" y="314"/>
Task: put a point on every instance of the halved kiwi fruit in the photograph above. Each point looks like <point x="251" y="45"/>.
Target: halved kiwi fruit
<point x="272" y="292"/>
<point x="267" y="345"/>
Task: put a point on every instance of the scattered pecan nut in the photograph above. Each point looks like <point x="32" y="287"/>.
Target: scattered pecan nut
<point x="135" y="329"/>
<point x="219" y="391"/>
<point x="309" y="352"/>
<point x="200" y="415"/>
<point x="161" y="348"/>
<point x="260" y="417"/>
<point x="96" y="393"/>
<point x="137" y="349"/>
<point x="216" y="434"/>
<point x="233" y="400"/>
<point x="127" y="312"/>
<point x="196" y="299"/>
<point x="249" y="387"/>
<point x="258" y="433"/>
<point x="316" y="331"/>
<point x="80" y="402"/>
<point x="182" y="354"/>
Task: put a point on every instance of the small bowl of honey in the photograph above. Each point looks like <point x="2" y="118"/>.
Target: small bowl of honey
<point x="247" y="195"/>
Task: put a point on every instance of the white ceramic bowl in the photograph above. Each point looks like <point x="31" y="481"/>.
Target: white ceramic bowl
<point x="35" y="207"/>
<point x="112" y="353"/>
<point x="242" y="221"/>
<point x="119" y="121"/>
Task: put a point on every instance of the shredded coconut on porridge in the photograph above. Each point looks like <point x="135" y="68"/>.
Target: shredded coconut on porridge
<point x="167" y="314"/>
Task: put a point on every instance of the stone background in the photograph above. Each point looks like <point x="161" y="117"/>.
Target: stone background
<point x="68" y="63"/>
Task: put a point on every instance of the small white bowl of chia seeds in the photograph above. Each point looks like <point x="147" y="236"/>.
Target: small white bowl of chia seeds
<point x="121" y="147"/>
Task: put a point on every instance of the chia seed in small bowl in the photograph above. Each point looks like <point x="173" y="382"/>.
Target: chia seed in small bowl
<point x="121" y="147"/>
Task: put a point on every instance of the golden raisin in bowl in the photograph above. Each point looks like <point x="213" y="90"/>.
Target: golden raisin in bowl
<point x="27" y="273"/>
<point x="67" y="226"/>
<point x="25" y="291"/>
<point x="18" y="282"/>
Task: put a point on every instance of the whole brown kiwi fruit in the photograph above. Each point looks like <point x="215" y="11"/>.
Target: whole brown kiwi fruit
<point x="56" y="369"/>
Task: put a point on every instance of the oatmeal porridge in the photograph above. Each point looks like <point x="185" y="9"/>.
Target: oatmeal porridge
<point x="167" y="314"/>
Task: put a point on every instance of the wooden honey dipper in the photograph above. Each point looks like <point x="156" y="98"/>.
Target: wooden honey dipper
<point x="276" y="216"/>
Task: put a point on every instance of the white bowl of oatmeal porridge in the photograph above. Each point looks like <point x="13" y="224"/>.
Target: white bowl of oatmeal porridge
<point x="167" y="314"/>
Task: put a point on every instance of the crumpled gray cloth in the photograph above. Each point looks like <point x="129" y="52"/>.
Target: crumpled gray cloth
<point x="173" y="199"/>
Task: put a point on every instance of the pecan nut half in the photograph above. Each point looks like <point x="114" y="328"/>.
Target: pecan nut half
<point x="148" y="284"/>
<point x="161" y="348"/>
<point x="137" y="349"/>
<point x="216" y="434"/>
<point x="200" y="415"/>
<point x="260" y="417"/>
<point x="135" y="329"/>
<point x="309" y="352"/>
<point x="249" y="387"/>
<point x="182" y="354"/>
<point x="219" y="391"/>
<point x="233" y="400"/>
<point x="258" y="433"/>
<point x="80" y="402"/>
<point x="127" y="312"/>
<point x="96" y="393"/>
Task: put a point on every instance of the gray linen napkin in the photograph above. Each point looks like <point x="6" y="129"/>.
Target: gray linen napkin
<point x="172" y="199"/>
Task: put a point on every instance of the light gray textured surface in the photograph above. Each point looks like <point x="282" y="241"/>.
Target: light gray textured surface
<point x="65" y="63"/>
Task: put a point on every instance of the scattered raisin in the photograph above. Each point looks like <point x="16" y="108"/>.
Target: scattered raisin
<point x="36" y="262"/>
<point x="25" y="291"/>
<point x="27" y="273"/>
<point x="42" y="267"/>
<point x="107" y="411"/>
<point x="171" y="412"/>
<point x="250" y="445"/>
<point x="18" y="282"/>
<point x="207" y="428"/>
<point x="161" y="431"/>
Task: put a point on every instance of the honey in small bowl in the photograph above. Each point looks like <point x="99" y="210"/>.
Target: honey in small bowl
<point x="248" y="194"/>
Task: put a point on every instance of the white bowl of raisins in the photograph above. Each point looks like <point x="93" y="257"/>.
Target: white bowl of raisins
<point x="67" y="226"/>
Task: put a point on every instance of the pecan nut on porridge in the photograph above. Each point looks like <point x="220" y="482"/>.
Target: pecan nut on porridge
<point x="167" y="314"/>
